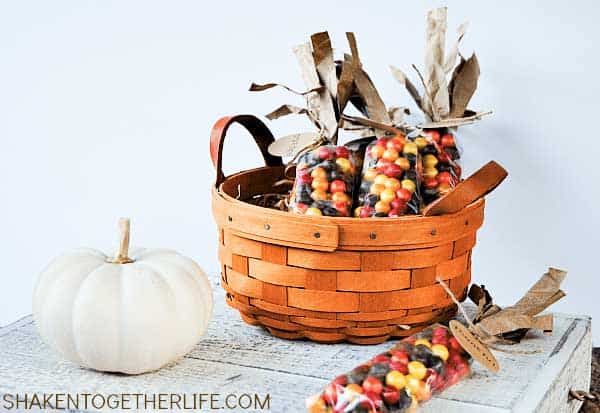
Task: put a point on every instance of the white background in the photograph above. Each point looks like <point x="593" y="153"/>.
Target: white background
<point x="106" y="108"/>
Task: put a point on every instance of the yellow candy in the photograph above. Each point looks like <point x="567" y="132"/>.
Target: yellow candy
<point x="423" y="341"/>
<point x="370" y="174"/>
<point x="440" y="350"/>
<point x="313" y="211"/>
<point x="390" y="154"/>
<point x="319" y="173"/>
<point x="392" y="183"/>
<point x="344" y="164"/>
<point x="403" y="163"/>
<point x="421" y="142"/>
<point x="430" y="161"/>
<point x="417" y="370"/>
<point x="320" y="184"/>
<point x="380" y="179"/>
<point x="443" y="188"/>
<point x="357" y="211"/>
<point x="341" y="197"/>
<point x="319" y="195"/>
<point x="430" y="172"/>
<point x="395" y="379"/>
<point x="409" y="185"/>
<point x="387" y="195"/>
<point x="376" y="189"/>
<point x="354" y="388"/>
<point x="382" y="206"/>
<point x="377" y="151"/>
<point x="410" y="148"/>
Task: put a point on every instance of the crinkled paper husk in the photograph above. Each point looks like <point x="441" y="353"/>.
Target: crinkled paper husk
<point x="512" y="323"/>
<point x="444" y="103"/>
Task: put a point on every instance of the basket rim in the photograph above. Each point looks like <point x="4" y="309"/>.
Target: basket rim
<point x="218" y="191"/>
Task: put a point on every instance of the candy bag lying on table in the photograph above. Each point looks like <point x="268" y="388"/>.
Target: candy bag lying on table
<point x="400" y="379"/>
<point x="325" y="180"/>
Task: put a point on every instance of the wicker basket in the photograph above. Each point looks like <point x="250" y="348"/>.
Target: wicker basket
<point x="333" y="279"/>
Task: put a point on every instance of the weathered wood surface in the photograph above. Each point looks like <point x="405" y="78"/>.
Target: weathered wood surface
<point x="234" y="358"/>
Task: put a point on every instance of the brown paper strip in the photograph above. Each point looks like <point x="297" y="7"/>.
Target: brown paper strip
<point x="345" y="86"/>
<point x="255" y="87"/>
<point x="375" y="105"/>
<point x="463" y="86"/>
<point x="285" y="110"/>
<point x="543" y="293"/>
<point x="323" y="57"/>
<point x="410" y="87"/>
<point x="437" y="103"/>
<point x="319" y="103"/>
<point x="453" y="122"/>
<point x="451" y="58"/>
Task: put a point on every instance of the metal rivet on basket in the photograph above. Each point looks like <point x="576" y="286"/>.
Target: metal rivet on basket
<point x="433" y="231"/>
<point x="317" y="235"/>
<point x="229" y="218"/>
<point x="372" y="235"/>
<point x="267" y="227"/>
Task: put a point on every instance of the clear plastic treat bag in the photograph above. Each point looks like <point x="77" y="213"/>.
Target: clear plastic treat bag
<point x="400" y="379"/>
<point x="325" y="181"/>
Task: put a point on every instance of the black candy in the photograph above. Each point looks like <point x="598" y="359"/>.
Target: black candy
<point x="420" y="352"/>
<point x="371" y="200"/>
<point x="429" y="150"/>
<point x="379" y="370"/>
<point x="411" y="174"/>
<point x="436" y="363"/>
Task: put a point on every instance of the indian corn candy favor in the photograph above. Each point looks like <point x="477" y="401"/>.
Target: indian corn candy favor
<point x="400" y="379"/>
<point x="390" y="180"/>
<point x="440" y="159"/>
<point x="325" y="181"/>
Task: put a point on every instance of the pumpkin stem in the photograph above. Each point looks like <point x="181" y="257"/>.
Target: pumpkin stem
<point x="122" y="258"/>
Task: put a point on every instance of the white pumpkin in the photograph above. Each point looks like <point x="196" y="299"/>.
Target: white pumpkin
<point x="130" y="314"/>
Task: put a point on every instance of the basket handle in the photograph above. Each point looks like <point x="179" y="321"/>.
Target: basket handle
<point x="259" y="131"/>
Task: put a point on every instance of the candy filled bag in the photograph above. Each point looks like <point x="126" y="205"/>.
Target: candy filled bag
<point x="440" y="158"/>
<point x="400" y="379"/>
<point x="325" y="181"/>
<point x="391" y="178"/>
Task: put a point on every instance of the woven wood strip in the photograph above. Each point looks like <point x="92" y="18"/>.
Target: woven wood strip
<point x="373" y="316"/>
<point x="377" y="261"/>
<point x="453" y="268"/>
<point x="291" y="311"/>
<point x="278" y="274"/>
<point x="340" y="260"/>
<point x="242" y="246"/>
<point x="373" y="281"/>
<point x="465" y="244"/>
<point x="323" y="300"/>
<point x="423" y="257"/>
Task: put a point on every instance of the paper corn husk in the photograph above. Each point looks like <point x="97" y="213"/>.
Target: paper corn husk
<point x="512" y="323"/>
<point x="330" y="86"/>
<point x="444" y="101"/>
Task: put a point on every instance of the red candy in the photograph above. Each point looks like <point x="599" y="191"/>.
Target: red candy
<point x="372" y="385"/>
<point x="342" y="152"/>
<point x="448" y="141"/>
<point x="325" y="153"/>
<point x="337" y="186"/>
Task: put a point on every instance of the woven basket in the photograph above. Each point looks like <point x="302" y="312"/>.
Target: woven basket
<point x="333" y="279"/>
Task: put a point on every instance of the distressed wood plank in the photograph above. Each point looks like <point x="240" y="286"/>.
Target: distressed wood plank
<point x="235" y="357"/>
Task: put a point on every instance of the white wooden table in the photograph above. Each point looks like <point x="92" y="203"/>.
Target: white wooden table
<point x="235" y="358"/>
